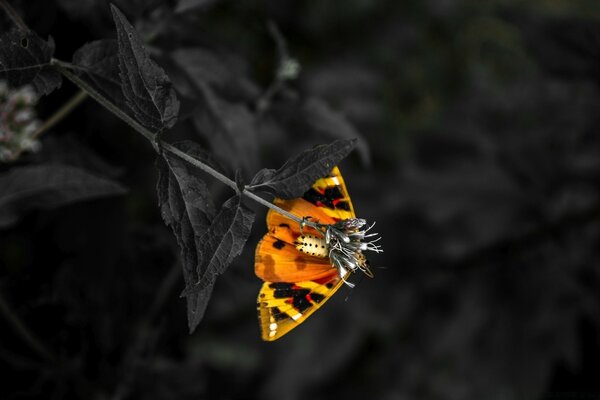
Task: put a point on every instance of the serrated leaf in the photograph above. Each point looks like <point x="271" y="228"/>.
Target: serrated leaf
<point x="326" y="121"/>
<point x="298" y="173"/>
<point x="221" y="243"/>
<point x="98" y="64"/>
<point x="146" y="86"/>
<point x="229" y="128"/>
<point x="25" y="59"/>
<point x="176" y="193"/>
<point x="208" y="243"/>
<point x="222" y="71"/>
<point x="24" y="189"/>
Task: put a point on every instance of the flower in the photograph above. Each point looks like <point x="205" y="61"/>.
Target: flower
<point x="347" y="240"/>
<point x="18" y="122"/>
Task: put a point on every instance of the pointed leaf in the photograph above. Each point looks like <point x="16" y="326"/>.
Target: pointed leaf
<point x="229" y="128"/>
<point x="208" y="243"/>
<point x="324" y="120"/>
<point x="98" y="63"/>
<point x="146" y="86"/>
<point x="298" y="173"/>
<point x="25" y="59"/>
<point x="24" y="189"/>
<point x="224" y="240"/>
<point x="176" y="194"/>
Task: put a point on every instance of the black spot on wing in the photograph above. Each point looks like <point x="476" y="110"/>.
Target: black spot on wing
<point x="279" y="244"/>
<point x="316" y="297"/>
<point x="285" y="290"/>
<point x="298" y="297"/>
<point x="331" y="197"/>
<point x="343" y="205"/>
<point x="278" y="315"/>
<point x="301" y="303"/>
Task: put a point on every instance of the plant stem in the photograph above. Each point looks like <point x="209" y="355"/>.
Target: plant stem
<point x="55" y="118"/>
<point x="63" y="68"/>
<point x="14" y="16"/>
<point x="25" y="334"/>
<point x="61" y="113"/>
<point x="227" y="181"/>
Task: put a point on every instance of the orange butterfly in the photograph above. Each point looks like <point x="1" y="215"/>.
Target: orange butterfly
<point x="303" y="265"/>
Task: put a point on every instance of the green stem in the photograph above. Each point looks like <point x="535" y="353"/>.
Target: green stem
<point x="63" y="68"/>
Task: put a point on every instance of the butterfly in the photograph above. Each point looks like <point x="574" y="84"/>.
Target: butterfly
<point x="294" y="262"/>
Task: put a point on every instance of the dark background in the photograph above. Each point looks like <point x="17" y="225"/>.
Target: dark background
<point x="479" y="159"/>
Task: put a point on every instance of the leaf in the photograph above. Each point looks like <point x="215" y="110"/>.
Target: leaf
<point x="98" y="63"/>
<point x="24" y="189"/>
<point x="222" y="71"/>
<point x="186" y="207"/>
<point x="324" y="120"/>
<point x="25" y="59"/>
<point x="229" y="128"/>
<point x="567" y="47"/>
<point x="298" y="173"/>
<point x="208" y="243"/>
<point x="146" y="86"/>
<point x="180" y="181"/>
<point x="191" y="5"/>
<point x="224" y="240"/>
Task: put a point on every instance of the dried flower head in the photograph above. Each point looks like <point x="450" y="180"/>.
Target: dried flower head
<point x="18" y="122"/>
<point x="347" y="240"/>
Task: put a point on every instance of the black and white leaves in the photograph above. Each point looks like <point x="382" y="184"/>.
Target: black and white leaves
<point x="98" y="64"/>
<point x="298" y="173"/>
<point x="24" y="189"/>
<point x="148" y="90"/>
<point x="209" y="241"/>
<point x="25" y="59"/>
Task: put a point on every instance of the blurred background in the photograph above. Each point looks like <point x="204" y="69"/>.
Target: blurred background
<point x="479" y="158"/>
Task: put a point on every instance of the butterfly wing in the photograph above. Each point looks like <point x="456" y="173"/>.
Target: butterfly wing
<point x="331" y="196"/>
<point x="282" y="306"/>
<point x="297" y="284"/>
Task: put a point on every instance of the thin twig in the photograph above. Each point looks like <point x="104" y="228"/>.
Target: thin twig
<point x="63" y="69"/>
<point x="283" y="57"/>
<point x="55" y="118"/>
<point x="93" y="93"/>
<point x="61" y="113"/>
<point x="14" y="16"/>
<point x="142" y="337"/>
<point x="24" y="332"/>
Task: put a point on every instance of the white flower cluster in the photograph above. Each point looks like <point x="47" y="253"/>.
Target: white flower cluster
<point x="18" y="121"/>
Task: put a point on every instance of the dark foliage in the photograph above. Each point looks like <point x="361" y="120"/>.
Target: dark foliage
<point x="29" y="188"/>
<point x="297" y="174"/>
<point x="98" y="63"/>
<point x="25" y="59"/>
<point x="478" y="155"/>
<point x="145" y="85"/>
